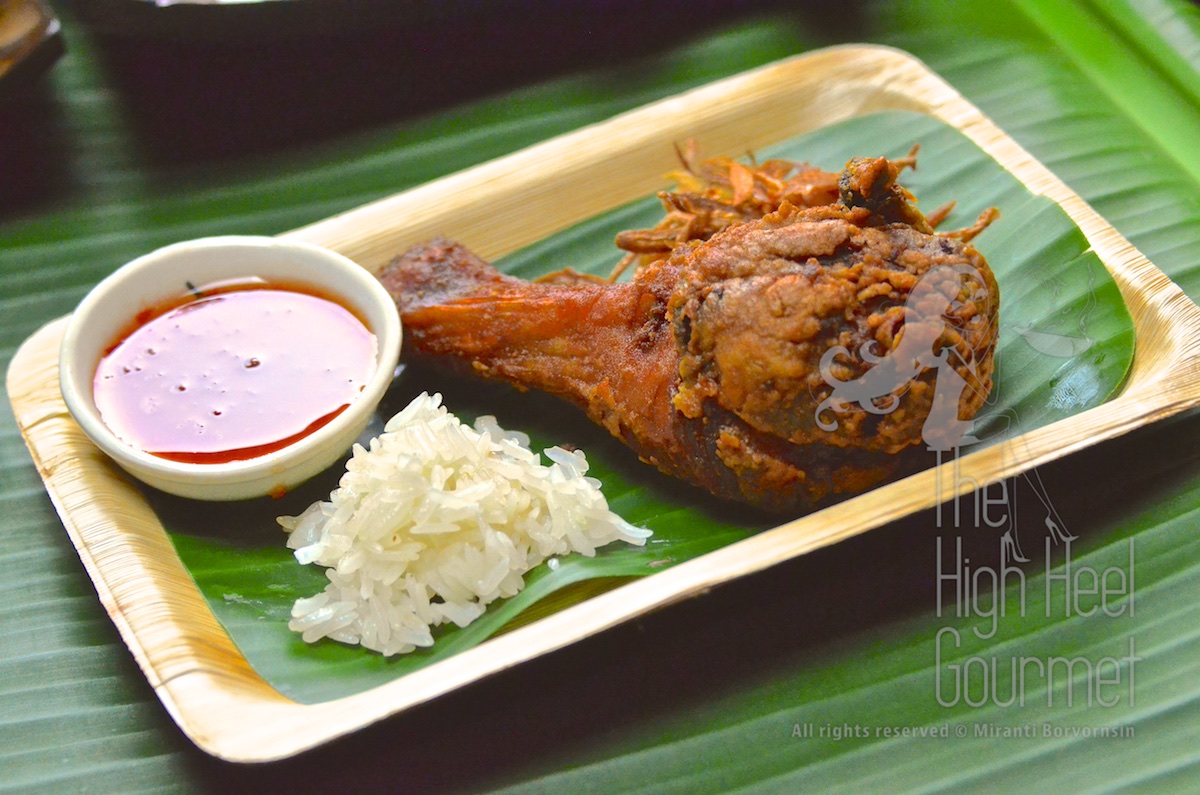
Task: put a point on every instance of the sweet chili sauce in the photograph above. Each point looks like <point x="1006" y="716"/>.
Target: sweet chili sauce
<point x="233" y="371"/>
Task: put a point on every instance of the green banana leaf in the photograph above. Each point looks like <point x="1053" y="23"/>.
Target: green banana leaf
<point x="1051" y="285"/>
<point x="726" y="692"/>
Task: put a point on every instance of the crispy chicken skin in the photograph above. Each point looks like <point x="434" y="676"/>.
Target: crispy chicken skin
<point x="779" y="362"/>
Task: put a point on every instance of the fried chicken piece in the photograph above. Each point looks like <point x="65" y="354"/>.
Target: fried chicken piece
<point x="780" y="362"/>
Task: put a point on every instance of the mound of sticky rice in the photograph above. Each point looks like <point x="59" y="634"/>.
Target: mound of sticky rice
<point x="437" y="520"/>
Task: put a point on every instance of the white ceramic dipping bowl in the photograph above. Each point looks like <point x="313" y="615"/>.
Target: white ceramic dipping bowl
<point x="110" y="308"/>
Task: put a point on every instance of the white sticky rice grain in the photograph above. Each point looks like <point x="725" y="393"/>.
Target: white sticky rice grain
<point x="434" y="522"/>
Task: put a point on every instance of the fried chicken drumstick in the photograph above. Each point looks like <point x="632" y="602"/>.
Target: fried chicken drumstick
<point x="777" y="361"/>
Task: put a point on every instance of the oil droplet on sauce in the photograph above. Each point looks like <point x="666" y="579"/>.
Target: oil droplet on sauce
<point x="234" y="375"/>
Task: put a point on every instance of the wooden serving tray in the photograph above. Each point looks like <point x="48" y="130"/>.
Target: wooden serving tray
<point x="206" y="683"/>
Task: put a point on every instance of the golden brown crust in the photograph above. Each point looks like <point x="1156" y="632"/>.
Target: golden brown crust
<point x="778" y="361"/>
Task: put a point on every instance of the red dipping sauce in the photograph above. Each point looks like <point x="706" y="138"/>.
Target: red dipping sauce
<point x="233" y="373"/>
